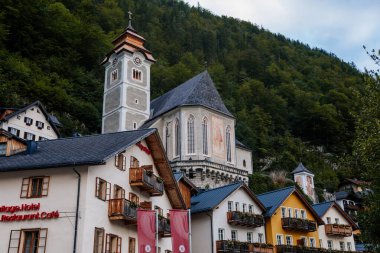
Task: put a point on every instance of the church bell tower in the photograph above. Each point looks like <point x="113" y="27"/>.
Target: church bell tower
<point x="126" y="99"/>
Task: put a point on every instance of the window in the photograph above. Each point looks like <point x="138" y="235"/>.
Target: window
<point x="42" y="138"/>
<point x="237" y="206"/>
<point x="289" y="240"/>
<point x="312" y="242"/>
<point x="349" y="247"/>
<point x="279" y="239"/>
<point x="135" y="199"/>
<point x="303" y="214"/>
<point x="244" y="163"/>
<point x="99" y="240"/>
<point x="336" y="220"/>
<point x="221" y="234"/>
<point x="34" y="187"/>
<point x="134" y="125"/>
<point x="28" y="240"/>
<point x="341" y="246"/>
<point x="136" y="101"/>
<point x="121" y="161"/>
<point x="303" y="241"/>
<point x="230" y="203"/>
<point x="250" y="208"/>
<point x="177" y="143"/>
<point x="29" y="136"/>
<point x="234" y="235"/>
<point x="249" y="236"/>
<point x="14" y="131"/>
<point x="136" y="74"/>
<point x="261" y="237"/>
<point x="228" y="143"/>
<point x="48" y="127"/>
<point x="103" y="189"/>
<point x="39" y="124"/>
<point x="283" y="212"/>
<point x="28" y="121"/>
<point x="132" y="245"/>
<point x="190" y="136"/>
<point x="3" y="148"/>
<point x="290" y="212"/>
<point x="114" y="75"/>
<point x="244" y="208"/>
<point x="296" y="213"/>
<point x="118" y="192"/>
<point x="330" y="244"/>
<point x="328" y="219"/>
<point x="205" y="136"/>
<point x="113" y="244"/>
<point x="134" y="163"/>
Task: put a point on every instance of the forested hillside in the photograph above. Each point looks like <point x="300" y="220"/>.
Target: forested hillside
<point x="292" y="103"/>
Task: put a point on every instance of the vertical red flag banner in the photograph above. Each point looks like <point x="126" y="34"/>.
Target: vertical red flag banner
<point x="146" y="231"/>
<point x="179" y="225"/>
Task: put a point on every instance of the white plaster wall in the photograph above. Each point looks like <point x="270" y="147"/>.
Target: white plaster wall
<point x="241" y="155"/>
<point x="201" y="233"/>
<point x="61" y="196"/>
<point x="23" y="127"/>
<point x="334" y="213"/>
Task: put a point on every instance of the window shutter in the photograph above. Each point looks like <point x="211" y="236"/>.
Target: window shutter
<point x="42" y="237"/>
<point x="124" y="162"/>
<point x="118" y="245"/>
<point x="97" y="186"/>
<point x="14" y="239"/>
<point x="45" y="186"/>
<point x="122" y="193"/>
<point x="108" y="243"/>
<point x="108" y="191"/>
<point x="117" y="160"/>
<point x="24" y="188"/>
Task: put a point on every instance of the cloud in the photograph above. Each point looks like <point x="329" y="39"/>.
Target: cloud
<point x="338" y="26"/>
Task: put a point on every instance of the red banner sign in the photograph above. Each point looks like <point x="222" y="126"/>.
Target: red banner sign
<point x="146" y="231"/>
<point x="179" y="224"/>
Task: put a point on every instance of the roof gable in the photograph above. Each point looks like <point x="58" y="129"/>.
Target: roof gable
<point x="322" y="208"/>
<point x="199" y="90"/>
<point x="208" y="200"/>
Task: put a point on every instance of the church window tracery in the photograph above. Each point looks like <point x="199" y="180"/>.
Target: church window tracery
<point x="228" y="143"/>
<point x="190" y="135"/>
<point x="205" y="136"/>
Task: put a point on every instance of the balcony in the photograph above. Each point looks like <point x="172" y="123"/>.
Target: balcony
<point x="299" y="224"/>
<point x="297" y="249"/>
<point x="228" y="246"/>
<point x="352" y="207"/>
<point x="122" y="209"/>
<point x="245" y="219"/>
<point x="164" y="226"/>
<point x="338" y="230"/>
<point x="144" y="178"/>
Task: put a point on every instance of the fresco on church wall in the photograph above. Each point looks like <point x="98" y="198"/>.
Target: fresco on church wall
<point x="218" y="140"/>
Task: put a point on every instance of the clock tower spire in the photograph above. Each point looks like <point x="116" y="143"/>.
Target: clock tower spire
<point x="126" y="99"/>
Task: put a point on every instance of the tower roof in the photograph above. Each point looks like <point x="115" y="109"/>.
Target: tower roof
<point x="301" y="168"/>
<point x="199" y="90"/>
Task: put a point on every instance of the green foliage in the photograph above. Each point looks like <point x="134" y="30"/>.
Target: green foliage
<point x="288" y="99"/>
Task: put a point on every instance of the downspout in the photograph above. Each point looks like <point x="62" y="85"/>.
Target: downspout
<point x="212" y="231"/>
<point x="76" y="212"/>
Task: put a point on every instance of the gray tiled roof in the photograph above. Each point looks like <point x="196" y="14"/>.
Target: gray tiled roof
<point x="199" y="90"/>
<point x="86" y="150"/>
<point x="301" y="168"/>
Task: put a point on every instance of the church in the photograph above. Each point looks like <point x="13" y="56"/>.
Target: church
<point x="196" y="128"/>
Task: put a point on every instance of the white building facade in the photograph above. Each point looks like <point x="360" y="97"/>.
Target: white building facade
<point x="108" y="194"/>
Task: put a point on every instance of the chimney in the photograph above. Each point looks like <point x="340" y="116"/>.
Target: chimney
<point x="31" y="147"/>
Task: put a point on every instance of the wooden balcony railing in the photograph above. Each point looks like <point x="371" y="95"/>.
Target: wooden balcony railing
<point x="228" y="246"/>
<point x="297" y="249"/>
<point x="164" y="226"/>
<point x="245" y="219"/>
<point x="299" y="224"/>
<point x="338" y="230"/>
<point x="144" y="178"/>
<point x="351" y="207"/>
<point x="122" y="209"/>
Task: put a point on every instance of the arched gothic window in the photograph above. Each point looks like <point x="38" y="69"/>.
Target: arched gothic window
<point x="205" y="136"/>
<point x="190" y="135"/>
<point x="228" y="143"/>
<point x="177" y="141"/>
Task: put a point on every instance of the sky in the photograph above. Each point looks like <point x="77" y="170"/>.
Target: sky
<point x="341" y="27"/>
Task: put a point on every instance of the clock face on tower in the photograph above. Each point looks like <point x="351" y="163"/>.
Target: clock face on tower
<point x="137" y="61"/>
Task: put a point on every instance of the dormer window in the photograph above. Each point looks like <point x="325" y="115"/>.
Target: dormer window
<point x="136" y="74"/>
<point x="114" y="75"/>
<point x="28" y="121"/>
<point x="39" y="124"/>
